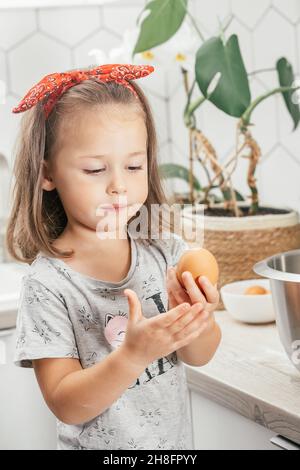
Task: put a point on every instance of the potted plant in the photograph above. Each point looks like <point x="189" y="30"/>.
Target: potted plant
<point x="238" y="230"/>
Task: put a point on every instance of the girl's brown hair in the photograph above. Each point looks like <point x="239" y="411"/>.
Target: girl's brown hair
<point x="37" y="217"/>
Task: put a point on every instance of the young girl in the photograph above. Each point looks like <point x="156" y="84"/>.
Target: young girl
<point x="106" y="332"/>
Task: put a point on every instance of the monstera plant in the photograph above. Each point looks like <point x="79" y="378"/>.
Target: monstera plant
<point x="220" y="77"/>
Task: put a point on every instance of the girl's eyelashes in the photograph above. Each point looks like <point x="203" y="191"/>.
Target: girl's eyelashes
<point x="100" y="170"/>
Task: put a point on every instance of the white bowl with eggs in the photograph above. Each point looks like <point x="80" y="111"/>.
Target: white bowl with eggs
<point x="257" y="308"/>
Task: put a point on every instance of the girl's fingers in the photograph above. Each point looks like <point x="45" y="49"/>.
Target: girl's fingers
<point x="196" y="311"/>
<point x="174" y="287"/>
<point x="193" y="292"/>
<point x="172" y="301"/>
<point x="165" y="319"/>
<point x="196" y="326"/>
<point x="211" y="292"/>
<point x="192" y="288"/>
<point x="186" y="340"/>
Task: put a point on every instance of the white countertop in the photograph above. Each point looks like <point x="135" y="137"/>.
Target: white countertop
<point x="252" y="375"/>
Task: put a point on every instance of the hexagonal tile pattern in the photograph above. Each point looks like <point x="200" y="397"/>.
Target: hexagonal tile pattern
<point x="173" y="80"/>
<point x="180" y="135"/>
<point x="159" y="110"/>
<point x="10" y="122"/>
<point x="245" y="41"/>
<point x="44" y="56"/>
<point x="264" y="119"/>
<point x="279" y="178"/>
<point x="249" y="12"/>
<point x="289" y="8"/>
<point x="287" y="137"/>
<point x="270" y="47"/>
<point x="156" y="83"/>
<point x="212" y="119"/>
<point x="181" y="157"/>
<point x="16" y="26"/>
<point x="207" y="14"/>
<point x="70" y="25"/>
<point x="103" y="40"/>
<point x="165" y="156"/>
<point x="113" y="16"/>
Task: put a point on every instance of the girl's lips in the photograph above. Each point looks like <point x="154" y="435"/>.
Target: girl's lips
<point x="114" y="207"/>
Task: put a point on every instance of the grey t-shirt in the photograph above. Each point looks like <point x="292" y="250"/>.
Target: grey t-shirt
<point x="63" y="313"/>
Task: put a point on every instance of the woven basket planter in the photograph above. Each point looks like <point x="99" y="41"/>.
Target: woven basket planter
<point x="240" y="242"/>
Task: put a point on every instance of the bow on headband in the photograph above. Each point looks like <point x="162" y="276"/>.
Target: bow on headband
<point x="54" y="85"/>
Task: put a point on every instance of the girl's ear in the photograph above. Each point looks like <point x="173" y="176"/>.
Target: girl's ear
<point x="47" y="182"/>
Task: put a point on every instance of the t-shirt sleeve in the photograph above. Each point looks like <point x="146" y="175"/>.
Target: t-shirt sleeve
<point x="178" y="247"/>
<point x="44" y="328"/>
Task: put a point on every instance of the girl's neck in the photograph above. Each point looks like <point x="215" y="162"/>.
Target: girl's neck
<point x="85" y="241"/>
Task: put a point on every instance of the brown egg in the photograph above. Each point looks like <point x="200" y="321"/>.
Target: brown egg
<point x="256" y="290"/>
<point x="200" y="262"/>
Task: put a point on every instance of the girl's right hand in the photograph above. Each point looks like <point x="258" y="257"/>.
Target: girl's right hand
<point x="147" y="339"/>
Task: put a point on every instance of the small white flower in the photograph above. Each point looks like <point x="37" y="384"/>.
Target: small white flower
<point x="181" y="48"/>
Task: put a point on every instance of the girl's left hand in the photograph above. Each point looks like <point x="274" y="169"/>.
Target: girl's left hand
<point x="208" y="294"/>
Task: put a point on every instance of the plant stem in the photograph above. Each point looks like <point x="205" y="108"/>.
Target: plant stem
<point x="222" y="168"/>
<point x="191" y="165"/>
<point x="191" y="168"/>
<point x="261" y="71"/>
<point x="247" y="114"/>
<point x="189" y="111"/>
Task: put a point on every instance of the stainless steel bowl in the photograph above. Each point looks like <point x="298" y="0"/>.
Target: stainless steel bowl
<point x="283" y="270"/>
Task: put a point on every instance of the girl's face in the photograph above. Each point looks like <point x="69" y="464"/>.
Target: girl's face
<point x="101" y="160"/>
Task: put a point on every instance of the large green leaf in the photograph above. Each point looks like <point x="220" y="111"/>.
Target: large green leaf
<point x="286" y="78"/>
<point x="232" y="92"/>
<point x="165" y="18"/>
<point x="172" y="170"/>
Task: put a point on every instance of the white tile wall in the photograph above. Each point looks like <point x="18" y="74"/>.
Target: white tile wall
<point x="38" y="41"/>
<point x="52" y="21"/>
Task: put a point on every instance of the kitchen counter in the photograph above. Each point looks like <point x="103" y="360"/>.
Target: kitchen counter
<point x="251" y="374"/>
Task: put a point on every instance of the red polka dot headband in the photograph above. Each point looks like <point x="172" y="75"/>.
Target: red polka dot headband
<point x="52" y="86"/>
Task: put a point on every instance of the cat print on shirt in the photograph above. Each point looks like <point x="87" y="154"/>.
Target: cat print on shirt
<point x="155" y="369"/>
<point x="150" y="417"/>
<point x="115" y="328"/>
<point x="87" y="319"/>
<point x="150" y="287"/>
<point x="133" y="444"/>
<point x="45" y="331"/>
<point x="36" y="295"/>
<point x="91" y="359"/>
<point x="73" y="353"/>
<point x="97" y="430"/>
<point x="105" y="293"/>
<point x="106" y="435"/>
<point x="62" y="271"/>
<point x="163" y="444"/>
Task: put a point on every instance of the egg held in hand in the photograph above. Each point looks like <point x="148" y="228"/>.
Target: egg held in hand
<point x="199" y="262"/>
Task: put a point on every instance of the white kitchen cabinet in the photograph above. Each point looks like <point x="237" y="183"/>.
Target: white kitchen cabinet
<point x="218" y="428"/>
<point x="25" y="420"/>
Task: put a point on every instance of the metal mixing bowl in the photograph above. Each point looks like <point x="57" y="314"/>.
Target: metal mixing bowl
<point x="283" y="270"/>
